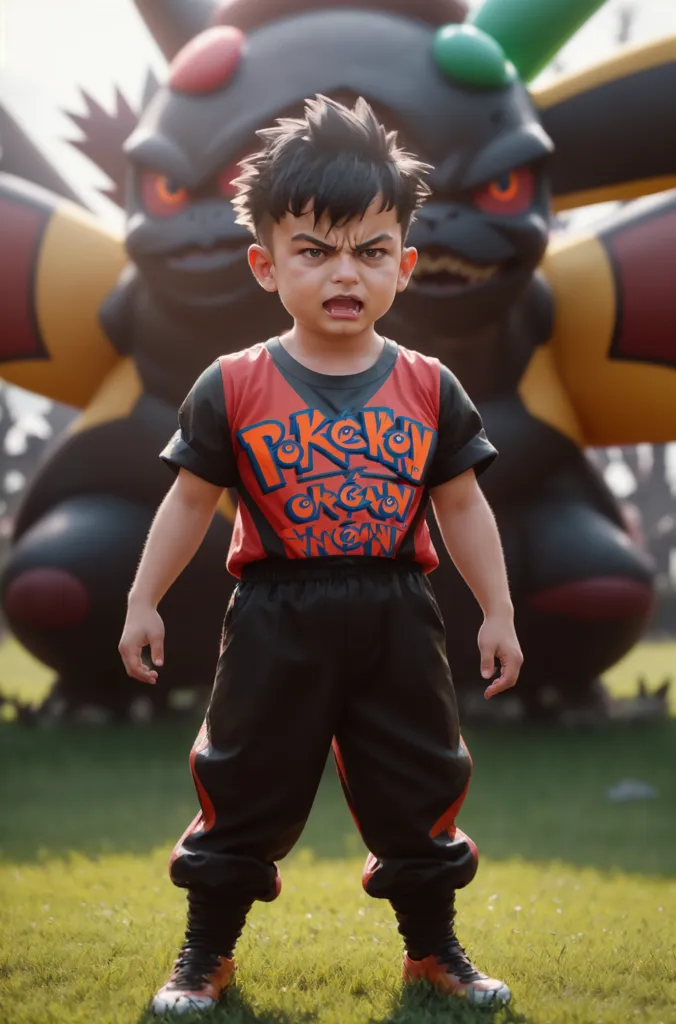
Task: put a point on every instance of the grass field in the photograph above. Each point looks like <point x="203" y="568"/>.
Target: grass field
<point x="574" y="904"/>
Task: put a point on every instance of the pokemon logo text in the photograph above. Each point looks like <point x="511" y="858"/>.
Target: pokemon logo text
<point x="398" y="444"/>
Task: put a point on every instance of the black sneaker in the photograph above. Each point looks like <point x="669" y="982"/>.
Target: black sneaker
<point x="197" y="982"/>
<point x="454" y="973"/>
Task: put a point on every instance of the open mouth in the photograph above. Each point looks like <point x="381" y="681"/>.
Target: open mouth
<point x="198" y="257"/>
<point x="343" y="307"/>
<point x="442" y="270"/>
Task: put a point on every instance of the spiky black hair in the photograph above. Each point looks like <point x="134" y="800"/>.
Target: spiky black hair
<point x="335" y="159"/>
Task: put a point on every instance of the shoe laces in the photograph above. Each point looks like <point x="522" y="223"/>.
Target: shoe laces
<point x="454" y="956"/>
<point x="193" y="967"/>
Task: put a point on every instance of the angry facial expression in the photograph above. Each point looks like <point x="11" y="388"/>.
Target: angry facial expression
<point x="479" y="237"/>
<point x="335" y="280"/>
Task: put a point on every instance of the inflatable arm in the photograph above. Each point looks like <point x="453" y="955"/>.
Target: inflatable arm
<point x="57" y="264"/>
<point x="613" y="340"/>
<point x="612" y="127"/>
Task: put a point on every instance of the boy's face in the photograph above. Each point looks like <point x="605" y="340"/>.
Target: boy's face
<point x="335" y="281"/>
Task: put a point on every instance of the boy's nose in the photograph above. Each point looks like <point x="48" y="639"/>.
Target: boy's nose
<point x="345" y="269"/>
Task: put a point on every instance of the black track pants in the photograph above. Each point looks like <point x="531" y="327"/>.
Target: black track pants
<point x="315" y="653"/>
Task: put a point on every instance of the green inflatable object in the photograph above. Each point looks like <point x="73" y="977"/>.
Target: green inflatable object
<point x="531" y="32"/>
<point x="469" y="56"/>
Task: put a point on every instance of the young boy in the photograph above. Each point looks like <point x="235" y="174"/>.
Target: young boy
<point x="335" y="439"/>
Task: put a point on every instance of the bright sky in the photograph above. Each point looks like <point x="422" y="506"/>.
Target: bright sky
<point x="50" y="48"/>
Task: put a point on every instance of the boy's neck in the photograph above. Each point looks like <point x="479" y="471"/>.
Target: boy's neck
<point x="333" y="355"/>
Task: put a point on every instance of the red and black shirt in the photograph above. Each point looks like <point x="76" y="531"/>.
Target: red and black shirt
<point x="328" y="465"/>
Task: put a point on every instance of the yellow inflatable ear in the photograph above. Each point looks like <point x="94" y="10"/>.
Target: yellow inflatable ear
<point x="57" y="264"/>
<point x="610" y="126"/>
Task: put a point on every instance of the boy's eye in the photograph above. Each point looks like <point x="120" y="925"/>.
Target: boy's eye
<point x="312" y="253"/>
<point x="373" y="254"/>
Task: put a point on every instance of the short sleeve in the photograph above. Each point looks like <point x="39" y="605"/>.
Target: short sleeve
<point x="203" y="444"/>
<point x="462" y="443"/>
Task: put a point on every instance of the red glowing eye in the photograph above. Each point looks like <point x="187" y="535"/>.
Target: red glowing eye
<point x="161" y="196"/>
<point x="227" y="177"/>
<point x="511" y="193"/>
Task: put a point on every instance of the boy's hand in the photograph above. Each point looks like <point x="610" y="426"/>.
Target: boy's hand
<point x="497" y="639"/>
<point x="143" y="628"/>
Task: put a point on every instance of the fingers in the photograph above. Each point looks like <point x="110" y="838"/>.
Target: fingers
<point x="143" y="628"/>
<point x="487" y="667"/>
<point x="487" y="652"/>
<point x="500" y="684"/>
<point x="134" y="665"/>
<point x="510" y="668"/>
<point x="145" y="674"/>
<point x="157" y="649"/>
<point x="132" y="657"/>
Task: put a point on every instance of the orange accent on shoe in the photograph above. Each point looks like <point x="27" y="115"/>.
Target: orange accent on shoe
<point x="220" y="979"/>
<point x="215" y="983"/>
<point x="431" y="969"/>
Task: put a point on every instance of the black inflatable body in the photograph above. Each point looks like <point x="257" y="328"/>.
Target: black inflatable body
<point x="486" y="299"/>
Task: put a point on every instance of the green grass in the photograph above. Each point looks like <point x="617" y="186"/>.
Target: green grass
<point x="574" y="904"/>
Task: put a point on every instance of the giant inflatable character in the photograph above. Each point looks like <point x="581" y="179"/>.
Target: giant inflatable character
<point x="560" y="346"/>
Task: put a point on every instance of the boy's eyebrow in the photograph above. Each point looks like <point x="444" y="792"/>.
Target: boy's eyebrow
<point x="384" y="237"/>
<point x="302" y="237"/>
<point x="315" y="241"/>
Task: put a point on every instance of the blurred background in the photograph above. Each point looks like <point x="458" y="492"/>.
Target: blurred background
<point x="576" y="823"/>
<point x="105" y="50"/>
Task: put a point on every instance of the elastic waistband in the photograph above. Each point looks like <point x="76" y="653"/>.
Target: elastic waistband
<point x="279" y="570"/>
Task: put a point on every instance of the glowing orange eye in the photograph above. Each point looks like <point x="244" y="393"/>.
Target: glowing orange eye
<point x="505" y="188"/>
<point x="510" y="194"/>
<point x="161" y="196"/>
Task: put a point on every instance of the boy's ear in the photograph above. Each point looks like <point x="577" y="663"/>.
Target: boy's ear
<point x="262" y="266"/>
<point x="409" y="258"/>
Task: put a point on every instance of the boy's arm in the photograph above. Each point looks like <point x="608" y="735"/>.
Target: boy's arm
<point x="178" y="529"/>
<point x="468" y="528"/>
<point x="471" y="537"/>
<point x="201" y="453"/>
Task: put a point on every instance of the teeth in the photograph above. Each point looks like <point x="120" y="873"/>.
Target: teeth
<point x="453" y="265"/>
<point x="351" y="307"/>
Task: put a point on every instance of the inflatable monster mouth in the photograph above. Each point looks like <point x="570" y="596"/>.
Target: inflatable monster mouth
<point x="441" y="270"/>
<point x="196" y="258"/>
